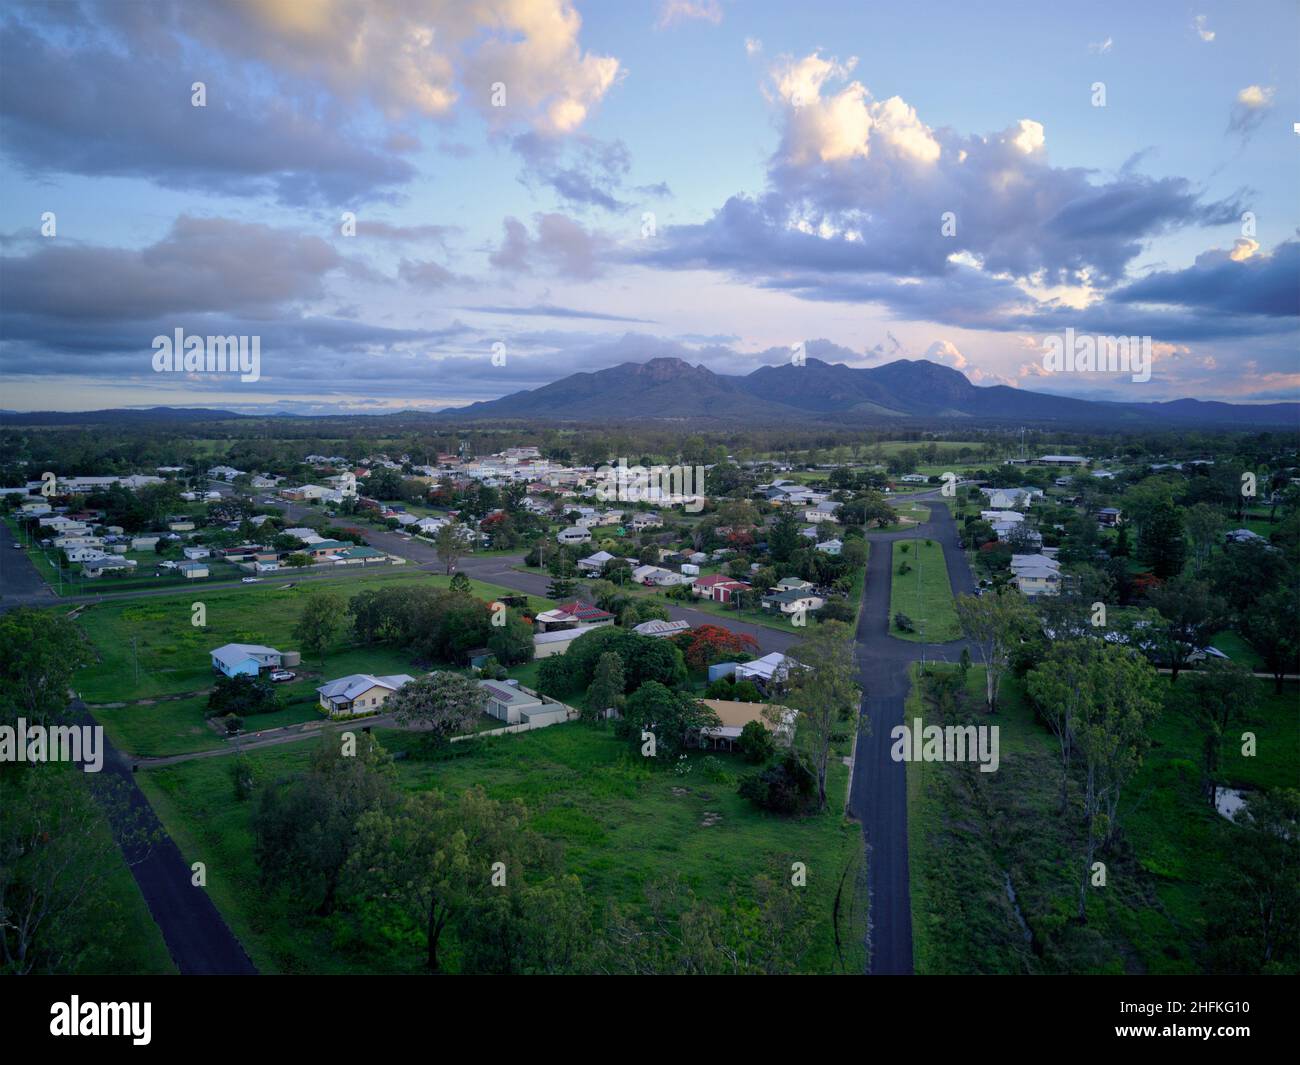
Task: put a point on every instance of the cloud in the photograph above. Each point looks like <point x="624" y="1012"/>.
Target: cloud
<point x="1250" y="108"/>
<point x="1102" y="47"/>
<point x="201" y="265"/>
<point x="424" y="274"/>
<point x="946" y="353"/>
<point x="561" y="244"/>
<point x="753" y="46"/>
<point x="547" y="310"/>
<point x="305" y="100"/>
<point x="1235" y="282"/>
<point x="582" y="171"/>
<point x="673" y="12"/>
<point x="1201" y="25"/>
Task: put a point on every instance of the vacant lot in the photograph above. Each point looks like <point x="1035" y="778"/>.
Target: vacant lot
<point x="623" y="826"/>
<point x="975" y="839"/>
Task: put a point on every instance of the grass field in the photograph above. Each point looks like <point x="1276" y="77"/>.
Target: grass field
<point x="923" y="593"/>
<point x="972" y="834"/>
<point x="622" y="825"/>
<point x="148" y="647"/>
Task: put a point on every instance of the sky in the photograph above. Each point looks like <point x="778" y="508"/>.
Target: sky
<point x="424" y="203"/>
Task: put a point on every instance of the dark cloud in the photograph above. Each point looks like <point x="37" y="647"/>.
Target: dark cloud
<point x="1259" y="285"/>
<point x="547" y="310"/>
<point x="582" y="171"/>
<point x="560" y="246"/>
<point x="106" y="111"/>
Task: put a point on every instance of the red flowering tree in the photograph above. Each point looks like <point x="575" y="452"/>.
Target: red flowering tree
<point x="707" y="644"/>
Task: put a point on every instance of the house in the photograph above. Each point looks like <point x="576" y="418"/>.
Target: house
<point x="648" y="520"/>
<point x="1036" y="574"/>
<point x="569" y="615"/>
<point x="1108" y="516"/>
<point x="193" y="554"/>
<point x="822" y="512"/>
<point x="574" y="534"/>
<point x="108" y="564"/>
<point x="793" y="602"/>
<point x="359" y="693"/>
<point x="1011" y="498"/>
<point x="660" y="629"/>
<point x="719" y="587"/>
<point x="770" y="669"/>
<point x="245" y="659"/>
<point x="1243" y="536"/>
<point x="325" y="549"/>
<point x="1061" y="460"/>
<point x="509" y="703"/>
<point x="793" y="584"/>
<point x="733" y="716"/>
<point x="914" y="478"/>
<point x="84" y="552"/>
<point x="594" y="565"/>
<point x="192" y="570"/>
<point x="831" y="547"/>
<point x="555" y="642"/>
<point x="36" y="508"/>
<point x="360" y="555"/>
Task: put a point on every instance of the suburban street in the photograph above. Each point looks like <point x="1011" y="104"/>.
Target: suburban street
<point x="878" y="793"/>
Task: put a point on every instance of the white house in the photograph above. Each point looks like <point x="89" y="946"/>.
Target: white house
<point x="595" y="564"/>
<point x="771" y="668"/>
<point x="1036" y="574"/>
<point x="648" y="520"/>
<point x="574" y="535"/>
<point x="660" y="629"/>
<point x="822" y="512"/>
<point x="196" y="553"/>
<point x="831" y="547"/>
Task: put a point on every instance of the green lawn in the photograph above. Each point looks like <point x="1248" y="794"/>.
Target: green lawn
<point x="179" y="726"/>
<point x="622" y="826"/>
<point x="923" y="593"/>
<point x="148" y="647"/>
<point x="969" y="833"/>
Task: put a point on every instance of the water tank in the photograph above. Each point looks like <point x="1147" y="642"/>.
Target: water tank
<point x="292" y="658"/>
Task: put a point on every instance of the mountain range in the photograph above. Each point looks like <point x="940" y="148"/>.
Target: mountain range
<point x="832" y="392"/>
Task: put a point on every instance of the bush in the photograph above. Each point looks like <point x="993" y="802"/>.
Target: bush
<point x="234" y="723"/>
<point x="903" y="623"/>
<point x="756" y="742"/>
<point x="242" y="695"/>
<point x="787" y="787"/>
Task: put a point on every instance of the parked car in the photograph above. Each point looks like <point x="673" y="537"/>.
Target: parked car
<point x="251" y="580"/>
<point x="282" y="674"/>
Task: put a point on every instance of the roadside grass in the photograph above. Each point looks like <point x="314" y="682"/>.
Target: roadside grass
<point x="970" y="834"/>
<point x="623" y="826"/>
<point x="923" y="593"/>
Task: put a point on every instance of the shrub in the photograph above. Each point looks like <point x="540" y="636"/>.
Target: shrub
<point x="786" y="787"/>
<point x="756" y="742"/>
<point x="903" y="623"/>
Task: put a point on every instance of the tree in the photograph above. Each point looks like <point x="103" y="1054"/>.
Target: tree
<point x="674" y="718"/>
<point x="460" y="584"/>
<point x="1272" y="626"/>
<point x="242" y="695"/>
<point x="1205" y="525"/>
<point x="450" y="544"/>
<point x="512" y="643"/>
<point x="443" y="704"/>
<point x="823" y="690"/>
<point x="1111" y="734"/>
<point x="994" y="623"/>
<point x="56" y="856"/>
<point x="305" y="831"/>
<point x="784" y="538"/>
<point x="1191" y="615"/>
<point x="562" y="572"/>
<point x="39" y="652"/>
<point x="756" y="743"/>
<point x="704" y="645"/>
<point x="607" y="684"/>
<point x="319" y="623"/>
<point x="1255" y="922"/>
<point x="1215" y="698"/>
<point x="1161" y="546"/>
<point x="1058" y="688"/>
<point x="433" y="857"/>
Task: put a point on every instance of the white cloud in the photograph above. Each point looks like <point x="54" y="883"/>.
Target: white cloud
<point x="1200" y="25"/>
<point x="672" y="12"/>
<point x="753" y="46"/>
<point x="1102" y="47"/>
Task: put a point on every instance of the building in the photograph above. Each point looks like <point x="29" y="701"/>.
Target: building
<point x="1108" y="516"/>
<point x="734" y="716"/>
<point x="770" y="669"/>
<point x="359" y="693"/>
<point x="195" y="553"/>
<point x="822" y="512"/>
<point x="719" y="587"/>
<point x="555" y="642"/>
<point x="1061" y="460"/>
<point x="831" y="547"/>
<point x="192" y="570"/>
<point x="648" y="520"/>
<point x="509" y="703"/>
<point x="108" y="564"/>
<point x="660" y="629"/>
<point x="245" y="659"/>
<point x="574" y="534"/>
<point x="793" y="601"/>
<point x="594" y="565"/>
<point x="1036" y="574"/>
<point x="571" y="615"/>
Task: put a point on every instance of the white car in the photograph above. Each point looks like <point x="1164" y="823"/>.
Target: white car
<point x="282" y="674"/>
<point x="251" y="580"/>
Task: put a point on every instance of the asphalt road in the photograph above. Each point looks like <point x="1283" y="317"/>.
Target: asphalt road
<point x="878" y="796"/>
<point x="197" y="937"/>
